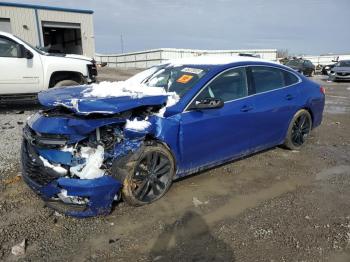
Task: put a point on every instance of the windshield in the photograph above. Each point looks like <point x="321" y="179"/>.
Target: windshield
<point x="345" y="63"/>
<point x="178" y="79"/>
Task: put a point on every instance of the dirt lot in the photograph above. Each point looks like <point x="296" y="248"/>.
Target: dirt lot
<point x="277" y="205"/>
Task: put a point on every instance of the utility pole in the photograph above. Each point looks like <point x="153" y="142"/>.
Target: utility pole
<point x="121" y="43"/>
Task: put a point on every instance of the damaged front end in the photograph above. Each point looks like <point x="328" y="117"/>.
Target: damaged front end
<point x="67" y="159"/>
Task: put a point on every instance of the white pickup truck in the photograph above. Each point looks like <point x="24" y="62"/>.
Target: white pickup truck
<point x="25" y="70"/>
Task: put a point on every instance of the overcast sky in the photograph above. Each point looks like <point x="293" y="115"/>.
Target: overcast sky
<point x="301" y="26"/>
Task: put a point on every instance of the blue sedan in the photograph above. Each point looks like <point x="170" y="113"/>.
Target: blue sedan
<point x="93" y="145"/>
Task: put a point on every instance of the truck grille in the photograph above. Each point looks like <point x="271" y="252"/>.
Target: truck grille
<point x="92" y="71"/>
<point x="43" y="140"/>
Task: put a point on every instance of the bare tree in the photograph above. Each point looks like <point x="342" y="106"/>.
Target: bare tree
<point x="282" y="53"/>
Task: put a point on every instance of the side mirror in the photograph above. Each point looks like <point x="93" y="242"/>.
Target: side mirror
<point x="25" y="53"/>
<point x="207" y="103"/>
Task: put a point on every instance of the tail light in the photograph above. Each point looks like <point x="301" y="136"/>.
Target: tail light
<point x="322" y="90"/>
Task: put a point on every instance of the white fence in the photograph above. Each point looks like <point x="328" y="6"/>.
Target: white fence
<point x="326" y="59"/>
<point x="149" y="58"/>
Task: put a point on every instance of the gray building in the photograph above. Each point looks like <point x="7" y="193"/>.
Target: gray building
<point x="59" y="30"/>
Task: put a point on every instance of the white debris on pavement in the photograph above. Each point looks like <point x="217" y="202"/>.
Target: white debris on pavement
<point x="196" y="202"/>
<point x="137" y="125"/>
<point x="57" y="168"/>
<point x="19" y="249"/>
<point x="94" y="160"/>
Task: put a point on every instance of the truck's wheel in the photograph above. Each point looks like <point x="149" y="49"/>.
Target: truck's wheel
<point x="66" y="83"/>
<point x="299" y="129"/>
<point x="149" y="176"/>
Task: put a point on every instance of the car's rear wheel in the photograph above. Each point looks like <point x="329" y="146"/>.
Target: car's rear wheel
<point x="299" y="129"/>
<point x="149" y="177"/>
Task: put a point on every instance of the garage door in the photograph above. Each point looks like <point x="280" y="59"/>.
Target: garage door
<point x="5" y="25"/>
<point x="62" y="37"/>
<point x="60" y="25"/>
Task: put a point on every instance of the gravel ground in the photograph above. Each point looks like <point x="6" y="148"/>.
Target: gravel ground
<point x="277" y="205"/>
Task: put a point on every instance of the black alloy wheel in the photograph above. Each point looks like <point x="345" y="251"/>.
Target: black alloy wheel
<point x="151" y="177"/>
<point x="299" y="129"/>
<point x="147" y="174"/>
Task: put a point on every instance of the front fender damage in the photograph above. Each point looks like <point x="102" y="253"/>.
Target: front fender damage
<point x="84" y="183"/>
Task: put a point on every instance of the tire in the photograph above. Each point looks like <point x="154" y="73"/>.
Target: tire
<point x="147" y="175"/>
<point x="311" y="73"/>
<point x="66" y="83"/>
<point x="298" y="130"/>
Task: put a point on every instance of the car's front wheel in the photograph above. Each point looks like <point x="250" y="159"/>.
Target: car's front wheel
<point x="299" y="129"/>
<point x="149" y="176"/>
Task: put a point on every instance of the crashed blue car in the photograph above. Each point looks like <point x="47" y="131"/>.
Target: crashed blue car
<point x="92" y="145"/>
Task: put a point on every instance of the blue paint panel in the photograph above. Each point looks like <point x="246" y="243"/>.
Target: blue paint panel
<point x="88" y="105"/>
<point x="56" y="156"/>
<point x="75" y="128"/>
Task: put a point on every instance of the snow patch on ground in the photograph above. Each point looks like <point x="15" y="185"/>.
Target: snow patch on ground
<point x="137" y="125"/>
<point x="56" y="168"/>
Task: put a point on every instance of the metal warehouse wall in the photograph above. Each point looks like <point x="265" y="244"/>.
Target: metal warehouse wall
<point x="149" y="58"/>
<point x="20" y="16"/>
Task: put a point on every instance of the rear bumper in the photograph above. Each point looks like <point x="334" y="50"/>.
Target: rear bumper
<point x="98" y="194"/>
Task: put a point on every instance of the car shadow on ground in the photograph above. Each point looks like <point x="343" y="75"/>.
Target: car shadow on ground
<point x="189" y="239"/>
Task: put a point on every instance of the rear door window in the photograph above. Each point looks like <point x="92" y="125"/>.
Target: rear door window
<point x="269" y="78"/>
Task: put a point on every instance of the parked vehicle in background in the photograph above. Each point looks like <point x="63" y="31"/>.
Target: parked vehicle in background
<point x="327" y="69"/>
<point x="340" y="71"/>
<point x="26" y="70"/>
<point x="303" y="66"/>
<point x="93" y="144"/>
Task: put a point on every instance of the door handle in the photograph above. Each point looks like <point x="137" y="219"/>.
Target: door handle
<point x="246" y="108"/>
<point x="289" y="97"/>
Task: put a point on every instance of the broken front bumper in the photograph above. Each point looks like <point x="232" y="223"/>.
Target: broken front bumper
<point x="98" y="194"/>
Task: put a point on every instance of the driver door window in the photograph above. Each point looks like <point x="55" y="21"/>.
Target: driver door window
<point x="8" y="48"/>
<point x="228" y="86"/>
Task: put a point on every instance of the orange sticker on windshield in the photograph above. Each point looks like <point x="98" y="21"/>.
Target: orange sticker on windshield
<point x="184" y="79"/>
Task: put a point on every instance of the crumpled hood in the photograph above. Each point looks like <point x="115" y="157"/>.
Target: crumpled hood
<point x="74" y="99"/>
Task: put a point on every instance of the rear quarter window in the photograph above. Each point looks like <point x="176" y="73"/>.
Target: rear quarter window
<point x="270" y="78"/>
<point x="290" y="78"/>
